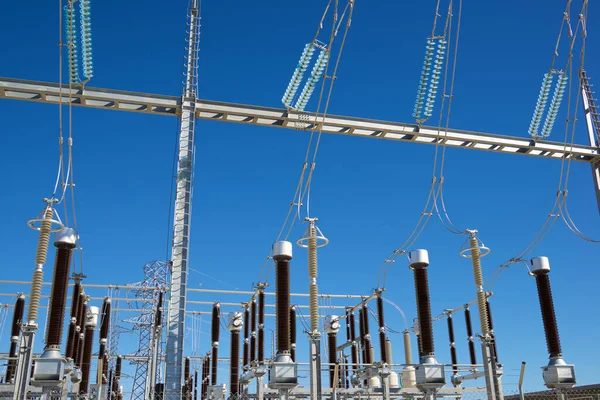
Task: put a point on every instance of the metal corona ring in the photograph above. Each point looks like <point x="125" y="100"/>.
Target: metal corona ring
<point x="41" y="218"/>
<point x="303" y="242"/>
<point x="466" y="252"/>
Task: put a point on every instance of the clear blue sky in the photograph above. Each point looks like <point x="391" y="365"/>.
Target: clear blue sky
<point x="367" y="193"/>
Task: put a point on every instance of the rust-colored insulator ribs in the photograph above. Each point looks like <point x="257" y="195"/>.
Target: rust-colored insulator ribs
<point x="234" y="364"/>
<point x="86" y="363"/>
<point x="246" y="337"/>
<point x="73" y="323"/>
<point x="332" y="344"/>
<point x="283" y="306"/>
<point x="253" y="330"/>
<point x="424" y="311"/>
<point x="453" y="356"/>
<point x="261" y="327"/>
<point x="293" y="333"/>
<point x="548" y="315"/>
<point x="471" y="342"/>
<point x="58" y="297"/>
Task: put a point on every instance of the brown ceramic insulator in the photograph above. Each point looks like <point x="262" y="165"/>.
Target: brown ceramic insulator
<point x="86" y="363"/>
<point x="382" y="349"/>
<point x="76" y="337"/>
<point x="58" y="297"/>
<point x="186" y="379"/>
<point x="361" y="331"/>
<point x="419" y="343"/>
<point x="253" y="330"/>
<point x="74" y="309"/>
<point x="367" y="350"/>
<point x="234" y="364"/>
<point x="17" y="320"/>
<point x="381" y="320"/>
<point x="293" y="333"/>
<point x="159" y="309"/>
<point x="105" y="369"/>
<point x="205" y="379"/>
<point x="353" y="338"/>
<point x="196" y="385"/>
<point x="332" y="344"/>
<point x="215" y="325"/>
<point x="246" y="337"/>
<point x="366" y="317"/>
<point x="12" y="363"/>
<point x="471" y="342"/>
<point x="283" y="305"/>
<point x="424" y="311"/>
<point x="453" y="356"/>
<point x="213" y="369"/>
<point x="261" y="327"/>
<point x="491" y="327"/>
<point x="15" y="332"/>
<point x="548" y="316"/>
<point x="116" y="378"/>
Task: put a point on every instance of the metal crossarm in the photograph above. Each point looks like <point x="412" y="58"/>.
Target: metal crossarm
<point x="254" y="115"/>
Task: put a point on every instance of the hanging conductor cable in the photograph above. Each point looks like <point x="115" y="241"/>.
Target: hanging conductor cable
<point x="302" y="192"/>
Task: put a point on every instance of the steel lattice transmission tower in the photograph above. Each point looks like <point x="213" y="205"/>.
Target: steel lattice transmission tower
<point x="156" y="273"/>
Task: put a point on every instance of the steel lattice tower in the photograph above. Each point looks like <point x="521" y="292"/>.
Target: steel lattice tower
<point x="156" y="273"/>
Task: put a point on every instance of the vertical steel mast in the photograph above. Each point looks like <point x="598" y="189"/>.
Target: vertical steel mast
<point x="181" y="222"/>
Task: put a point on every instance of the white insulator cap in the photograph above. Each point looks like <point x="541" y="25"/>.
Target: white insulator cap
<point x="91" y="316"/>
<point x="540" y="265"/>
<point x="235" y="321"/>
<point x="282" y="249"/>
<point x="418" y="257"/>
<point x="66" y="237"/>
<point x="331" y="324"/>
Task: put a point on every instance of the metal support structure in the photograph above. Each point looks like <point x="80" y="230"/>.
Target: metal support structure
<point x="315" y="369"/>
<point x="182" y="217"/>
<point x="17" y="89"/>
<point x="24" y="363"/>
<point x="147" y="295"/>
<point x="592" y="120"/>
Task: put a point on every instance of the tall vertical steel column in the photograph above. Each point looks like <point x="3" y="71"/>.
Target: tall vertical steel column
<point x="182" y="218"/>
<point x="592" y="120"/>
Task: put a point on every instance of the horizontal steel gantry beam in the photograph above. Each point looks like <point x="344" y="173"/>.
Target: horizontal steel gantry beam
<point x="17" y="89"/>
